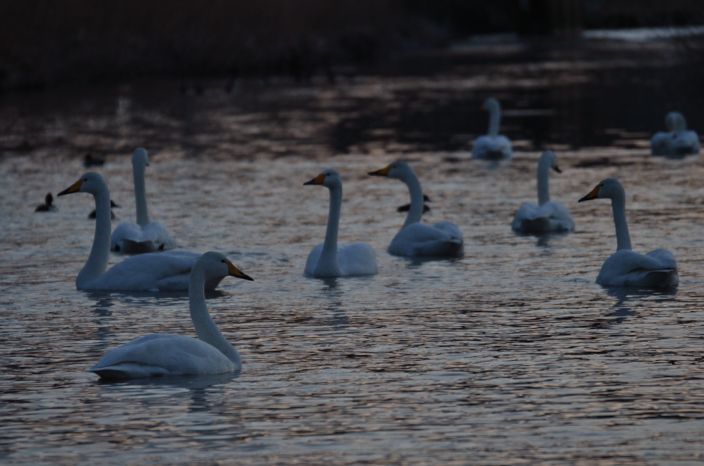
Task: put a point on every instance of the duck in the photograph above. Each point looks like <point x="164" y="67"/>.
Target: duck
<point x="154" y="272"/>
<point x="145" y="235"/>
<point x="163" y="354"/>
<point x="329" y="259"/>
<point x="627" y="268"/>
<point x="407" y="207"/>
<point x="677" y="141"/>
<point x="113" y="205"/>
<point x="546" y="216"/>
<point x="90" y="160"/>
<point x="415" y="239"/>
<point x="48" y="205"/>
<point x="492" y="146"/>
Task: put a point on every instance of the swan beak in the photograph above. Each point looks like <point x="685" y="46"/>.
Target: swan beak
<point x="74" y="188"/>
<point x="381" y="172"/>
<point x="556" y="168"/>
<point x="593" y="194"/>
<point x="235" y="272"/>
<point x="320" y="179"/>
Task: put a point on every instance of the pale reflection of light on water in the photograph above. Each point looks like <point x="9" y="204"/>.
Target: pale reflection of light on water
<point x="510" y="352"/>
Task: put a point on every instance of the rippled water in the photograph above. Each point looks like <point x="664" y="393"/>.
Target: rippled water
<point x="511" y="354"/>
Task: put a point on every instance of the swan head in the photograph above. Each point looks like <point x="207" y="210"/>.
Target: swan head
<point x="550" y="159"/>
<point x="398" y="169"/>
<point x="609" y="188"/>
<point x="328" y="178"/>
<point x="140" y="157"/>
<point x="90" y="182"/>
<point x="216" y="264"/>
<point x="491" y="105"/>
<point x="675" y="122"/>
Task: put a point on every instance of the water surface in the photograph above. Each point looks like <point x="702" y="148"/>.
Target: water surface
<point x="511" y="354"/>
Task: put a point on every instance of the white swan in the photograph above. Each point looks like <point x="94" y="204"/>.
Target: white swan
<point x="677" y="141"/>
<point x="161" y="354"/>
<point x="442" y="239"/>
<point x="329" y="259"/>
<point x="625" y="268"/>
<point x="145" y="235"/>
<point x="547" y="216"/>
<point x="163" y="271"/>
<point x="492" y="146"/>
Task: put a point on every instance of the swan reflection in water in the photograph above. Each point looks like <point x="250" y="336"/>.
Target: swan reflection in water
<point x="332" y="292"/>
<point x="628" y="298"/>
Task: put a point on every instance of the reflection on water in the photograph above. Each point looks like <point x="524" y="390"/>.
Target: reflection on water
<point x="509" y="352"/>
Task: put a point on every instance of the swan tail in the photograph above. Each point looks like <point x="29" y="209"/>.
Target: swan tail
<point x="662" y="279"/>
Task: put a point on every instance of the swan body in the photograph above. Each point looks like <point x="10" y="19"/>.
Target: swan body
<point x="415" y="239"/>
<point x="546" y="216"/>
<point x="677" y="141"/>
<point x="145" y="235"/>
<point x="48" y="205"/>
<point x="627" y="268"/>
<point x="492" y="146"/>
<point x="330" y="259"/>
<point x="165" y="271"/>
<point x="159" y="355"/>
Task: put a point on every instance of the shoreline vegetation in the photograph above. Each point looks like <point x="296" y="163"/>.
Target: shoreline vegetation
<point x="44" y="44"/>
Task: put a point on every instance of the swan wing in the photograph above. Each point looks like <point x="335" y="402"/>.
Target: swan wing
<point x="356" y="259"/>
<point x="157" y="233"/>
<point x="157" y="271"/>
<point x="442" y="239"/>
<point x="657" y="269"/>
<point x="453" y="231"/>
<point x="162" y="355"/>
<point x="130" y="238"/>
<point x="661" y="143"/>
<point x="551" y="217"/>
<point x="685" y="143"/>
<point x="492" y="148"/>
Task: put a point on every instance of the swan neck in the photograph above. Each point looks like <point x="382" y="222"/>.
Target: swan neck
<point x="140" y="194"/>
<point x="618" y="205"/>
<point x="206" y="329"/>
<point x="415" y="212"/>
<point x="329" y="252"/>
<point x="97" y="261"/>
<point x="543" y="183"/>
<point x="494" y="120"/>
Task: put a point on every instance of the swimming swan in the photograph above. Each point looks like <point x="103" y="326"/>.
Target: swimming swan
<point x="442" y="239"/>
<point x="547" y="216"/>
<point x="492" y="146"/>
<point x="329" y="259"/>
<point x="163" y="271"/>
<point x="677" y="141"/>
<point x="143" y="236"/>
<point x="626" y="268"/>
<point x="162" y="354"/>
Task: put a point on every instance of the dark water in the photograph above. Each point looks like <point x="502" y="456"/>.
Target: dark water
<point x="511" y="354"/>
